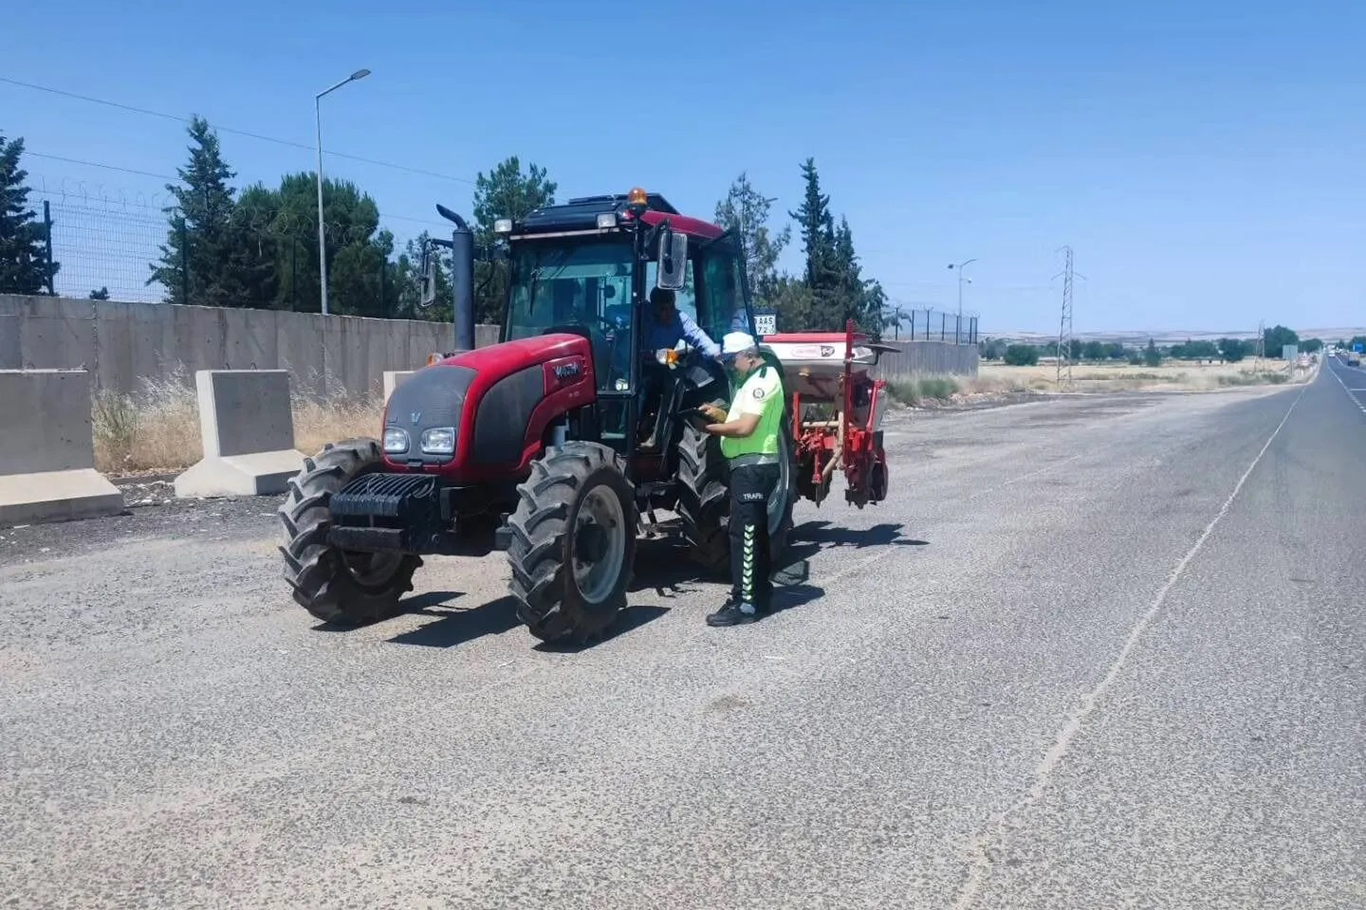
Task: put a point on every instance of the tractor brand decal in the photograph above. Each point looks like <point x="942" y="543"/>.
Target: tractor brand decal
<point x="813" y="351"/>
<point x="569" y="370"/>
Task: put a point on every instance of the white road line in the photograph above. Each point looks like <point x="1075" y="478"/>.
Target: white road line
<point x="1043" y="774"/>
<point x="1355" y="400"/>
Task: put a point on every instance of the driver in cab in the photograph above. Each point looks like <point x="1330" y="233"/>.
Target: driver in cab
<point x="669" y="325"/>
<point x="664" y="328"/>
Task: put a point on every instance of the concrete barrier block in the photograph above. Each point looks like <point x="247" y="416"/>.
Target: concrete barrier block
<point x="47" y="450"/>
<point x="247" y="427"/>
<point x="393" y="379"/>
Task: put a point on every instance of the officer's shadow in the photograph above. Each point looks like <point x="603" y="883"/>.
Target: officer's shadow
<point x="664" y="568"/>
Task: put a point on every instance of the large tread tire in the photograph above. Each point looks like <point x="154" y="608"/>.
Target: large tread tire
<point x="780" y="536"/>
<point x="319" y="573"/>
<point x="704" y="497"/>
<point x="704" y="500"/>
<point x="541" y="553"/>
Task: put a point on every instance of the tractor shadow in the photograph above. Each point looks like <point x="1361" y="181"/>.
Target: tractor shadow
<point x="813" y="537"/>
<point x="664" y="567"/>
<point x="628" y="620"/>
<point x="454" y="625"/>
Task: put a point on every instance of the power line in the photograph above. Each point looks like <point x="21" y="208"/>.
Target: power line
<point x="107" y="167"/>
<point x="126" y="170"/>
<point x="225" y="129"/>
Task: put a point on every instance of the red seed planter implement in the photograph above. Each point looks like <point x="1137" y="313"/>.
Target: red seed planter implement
<point x="837" y="409"/>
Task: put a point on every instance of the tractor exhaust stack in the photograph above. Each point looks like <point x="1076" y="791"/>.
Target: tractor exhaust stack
<point x="462" y="279"/>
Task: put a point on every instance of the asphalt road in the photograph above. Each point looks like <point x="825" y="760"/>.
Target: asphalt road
<point x="1094" y="653"/>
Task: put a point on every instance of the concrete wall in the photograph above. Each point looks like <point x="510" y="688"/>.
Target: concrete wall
<point x="120" y="343"/>
<point x="928" y="357"/>
<point x="45" y="421"/>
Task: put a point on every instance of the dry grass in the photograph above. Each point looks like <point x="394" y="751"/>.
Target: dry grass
<point x="928" y="389"/>
<point x="998" y="379"/>
<point x="156" y="429"/>
<point x="1184" y="376"/>
<point x="330" y="420"/>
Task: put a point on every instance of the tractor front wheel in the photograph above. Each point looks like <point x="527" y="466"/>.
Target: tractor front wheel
<point x="338" y="586"/>
<point x="573" y="541"/>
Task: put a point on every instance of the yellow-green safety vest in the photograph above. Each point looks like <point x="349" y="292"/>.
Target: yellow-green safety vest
<point x="761" y="394"/>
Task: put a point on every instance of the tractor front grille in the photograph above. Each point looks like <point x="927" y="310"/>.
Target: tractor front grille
<point x="387" y="496"/>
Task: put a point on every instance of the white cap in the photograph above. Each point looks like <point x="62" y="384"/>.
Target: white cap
<point x="736" y="342"/>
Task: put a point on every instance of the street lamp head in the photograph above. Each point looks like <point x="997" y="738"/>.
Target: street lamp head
<point x="359" y="74"/>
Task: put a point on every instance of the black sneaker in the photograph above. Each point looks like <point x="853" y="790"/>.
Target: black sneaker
<point x="733" y="614"/>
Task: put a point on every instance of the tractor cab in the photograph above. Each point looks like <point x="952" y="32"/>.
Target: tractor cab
<point x="588" y="268"/>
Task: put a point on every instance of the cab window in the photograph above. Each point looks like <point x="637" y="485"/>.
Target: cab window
<point x="722" y="293"/>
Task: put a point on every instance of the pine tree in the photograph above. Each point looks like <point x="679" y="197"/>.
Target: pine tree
<point x="202" y="240"/>
<point x="744" y="212"/>
<point x="816" y="228"/>
<point x="23" y="252"/>
<point x="824" y="276"/>
<point x="505" y="192"/>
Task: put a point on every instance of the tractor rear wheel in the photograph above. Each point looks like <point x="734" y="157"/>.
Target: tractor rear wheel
<point x="573" y="541"/>
<point x="338" y="586"/>
<point x="784" y="497"/>
<point x="704" y="498"/>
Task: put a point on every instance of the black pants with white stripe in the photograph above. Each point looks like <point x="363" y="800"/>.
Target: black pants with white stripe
<point x="751" y="487"/>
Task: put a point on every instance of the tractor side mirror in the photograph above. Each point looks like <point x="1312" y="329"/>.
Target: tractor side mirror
<point x="428" y="269"/>
<point x="673" y="260"/>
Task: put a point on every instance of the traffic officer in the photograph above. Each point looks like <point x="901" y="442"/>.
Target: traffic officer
<point x="749" y="441"/>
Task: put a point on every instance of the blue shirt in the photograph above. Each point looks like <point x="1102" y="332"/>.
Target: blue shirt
<point x="681" y="327"/>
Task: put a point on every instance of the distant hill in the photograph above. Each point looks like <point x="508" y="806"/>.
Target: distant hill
<point x="1168" y="337"/>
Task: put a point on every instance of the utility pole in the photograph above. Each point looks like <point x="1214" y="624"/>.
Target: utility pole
<point x="322" y="233"/>
<point x="1065" y="323"/>
<point x="958" y="332"/>
<point x="1261" y="346"/>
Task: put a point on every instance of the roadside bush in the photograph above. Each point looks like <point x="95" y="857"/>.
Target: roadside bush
<point x="114" y="419"/>
<point x="916" y="390"/>
<point x="1022" y="355"/>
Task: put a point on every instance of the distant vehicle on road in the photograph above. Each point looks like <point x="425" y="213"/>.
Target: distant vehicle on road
<point x="1354" y="360"/>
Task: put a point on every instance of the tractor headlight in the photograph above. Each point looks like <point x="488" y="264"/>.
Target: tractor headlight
<point x="439" y="441"/>
<point x="395" y="441"/>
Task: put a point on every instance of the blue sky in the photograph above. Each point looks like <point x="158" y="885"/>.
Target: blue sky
<point x="1205" y="160"/>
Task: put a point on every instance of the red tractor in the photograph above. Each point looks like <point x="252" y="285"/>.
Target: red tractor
<point x="556" y="445"/>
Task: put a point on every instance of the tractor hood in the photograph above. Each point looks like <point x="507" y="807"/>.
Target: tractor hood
<point x="511" y="356"/>
<point x="478" y="414"/>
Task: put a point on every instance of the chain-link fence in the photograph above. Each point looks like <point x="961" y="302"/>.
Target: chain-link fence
<point x="131" y="250"/>
<point x="123" y="249"/>
<point x="928" y="324"/>
<point x="104" y="248"/>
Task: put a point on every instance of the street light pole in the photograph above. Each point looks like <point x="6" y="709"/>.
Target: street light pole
<point x="322" y="235"/>
<point x="958" y="330"/>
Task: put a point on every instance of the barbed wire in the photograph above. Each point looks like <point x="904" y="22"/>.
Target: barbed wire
<point x="225" y="129"/>
<point x="89" y="193"/>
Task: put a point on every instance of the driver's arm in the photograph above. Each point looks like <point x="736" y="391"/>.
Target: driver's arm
<point x="698" y="338"/>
